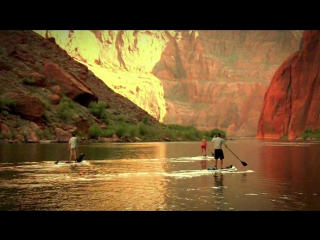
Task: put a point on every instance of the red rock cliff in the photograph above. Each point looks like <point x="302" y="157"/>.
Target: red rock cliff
<point x="292" y="101"/>
<point x="208" y="79"/>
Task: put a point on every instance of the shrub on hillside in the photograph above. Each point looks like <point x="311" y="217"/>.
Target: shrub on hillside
<point x="99" y="111"/>
<point x="66" y="109"/>
<point x="6" y="102"/>
<point x="95" y="131"/>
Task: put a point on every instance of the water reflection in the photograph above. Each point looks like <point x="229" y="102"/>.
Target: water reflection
<point x="203" y="164"/>
<point x="243" y="178"/>
<point x="292" y="168"/>
<point x="218" y="182"/>
<point x="159" y="176"/>
<point x="218" y="191"/>
<point x="138" y="184"/>
<point x="128" y="150"/>
<point x="32" y="152"/>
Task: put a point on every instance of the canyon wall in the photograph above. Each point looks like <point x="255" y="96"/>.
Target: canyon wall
<point x="292" y="101"/>
<point x="205" y="78"/>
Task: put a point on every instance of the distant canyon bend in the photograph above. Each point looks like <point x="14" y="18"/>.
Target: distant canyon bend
<point x="205" y="78"/>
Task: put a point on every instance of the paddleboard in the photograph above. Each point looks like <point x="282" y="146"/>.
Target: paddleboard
<point x="79" y="160"/>
<point x="64" y="162"/>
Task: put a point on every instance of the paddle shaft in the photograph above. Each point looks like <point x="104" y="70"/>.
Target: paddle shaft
<point x="243" y="163"/>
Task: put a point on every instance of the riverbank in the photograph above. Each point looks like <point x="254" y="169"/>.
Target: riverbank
<point x="136" y="139"/>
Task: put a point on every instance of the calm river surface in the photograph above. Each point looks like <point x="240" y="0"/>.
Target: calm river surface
<point x="163" y="176"/>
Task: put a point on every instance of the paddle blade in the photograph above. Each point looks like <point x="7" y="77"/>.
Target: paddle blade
<point x="244" y="163"/>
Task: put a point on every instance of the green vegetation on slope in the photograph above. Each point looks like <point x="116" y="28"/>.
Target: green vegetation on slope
<point x="311" y="134"/>
<point x="67" y="111"/>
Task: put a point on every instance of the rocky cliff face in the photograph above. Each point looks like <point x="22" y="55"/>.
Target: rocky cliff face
<point x="292" y="101"/>
<point x="209" y="79"/>
<point x="45" y="94"/>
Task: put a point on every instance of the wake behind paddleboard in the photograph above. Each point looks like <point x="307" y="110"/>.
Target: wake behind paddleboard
<point x="202" y="158"/>
<point x="226" y="169"/>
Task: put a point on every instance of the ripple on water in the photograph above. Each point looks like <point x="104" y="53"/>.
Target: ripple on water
<point x="139" y="184"/>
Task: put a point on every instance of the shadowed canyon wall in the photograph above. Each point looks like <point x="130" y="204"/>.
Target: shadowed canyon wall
<point x="206" y="78"/>
<point x="292" y="101"/>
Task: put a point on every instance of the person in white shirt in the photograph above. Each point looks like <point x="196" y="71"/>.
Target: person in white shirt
<point x="73" y="147"/>
<point x="218" y="152"/>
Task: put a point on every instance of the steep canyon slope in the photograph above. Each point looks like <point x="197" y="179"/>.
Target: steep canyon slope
<point x="292" y="101"/>
<point x="206" y="78"/>
<point x="52" y="91"/>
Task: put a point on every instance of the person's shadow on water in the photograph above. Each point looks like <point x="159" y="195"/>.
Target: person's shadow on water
<point x="203" y="164"/>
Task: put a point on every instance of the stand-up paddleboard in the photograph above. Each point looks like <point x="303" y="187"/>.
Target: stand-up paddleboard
<point x="65" y="163"/>
<point x="79" y="160"/>
<point x="230" y="168"/>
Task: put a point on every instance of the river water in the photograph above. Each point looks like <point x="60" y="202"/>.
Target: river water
<point x="280" y="175"/>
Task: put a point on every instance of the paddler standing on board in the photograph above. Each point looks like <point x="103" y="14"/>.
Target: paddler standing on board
<point x="218" y="152"/>
<point x="73" y="148"/>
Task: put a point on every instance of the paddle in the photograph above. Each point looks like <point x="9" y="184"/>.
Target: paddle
<point x="243" y="163"/>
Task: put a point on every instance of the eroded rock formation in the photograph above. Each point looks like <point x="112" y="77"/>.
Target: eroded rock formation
<point x="27" y="106"/>
<point x="70" y="85"/>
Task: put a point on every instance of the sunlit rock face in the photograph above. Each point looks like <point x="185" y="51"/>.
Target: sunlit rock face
<point x="292" y="101"/>
<point x="123" y="60"/>
<point x="207" y="78"/>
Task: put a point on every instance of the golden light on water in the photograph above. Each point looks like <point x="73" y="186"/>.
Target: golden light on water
<point x="141" y="183"/>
